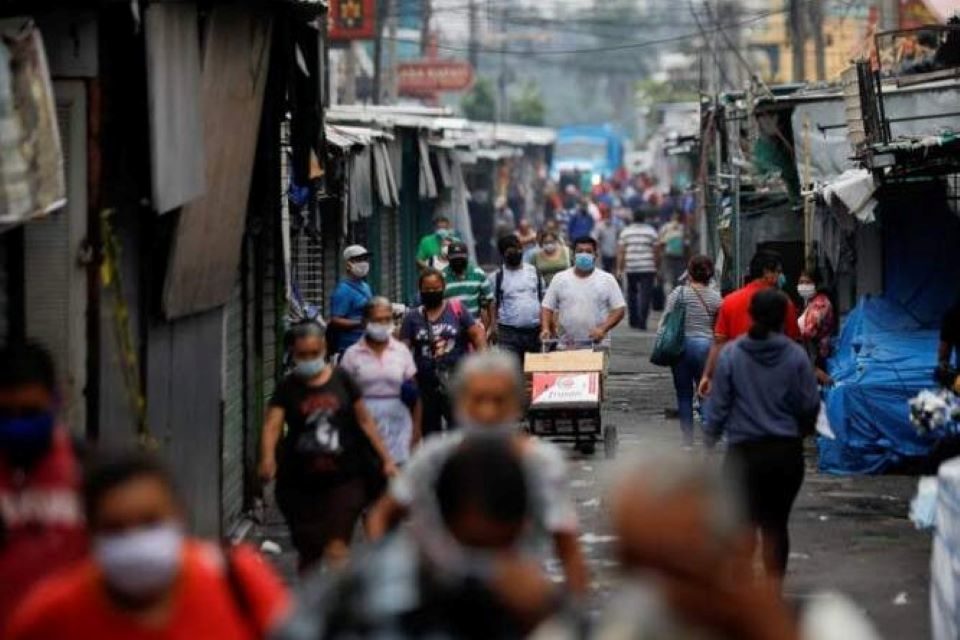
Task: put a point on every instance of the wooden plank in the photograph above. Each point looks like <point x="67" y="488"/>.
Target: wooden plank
<point x="206" y="248"/>
<point x="564" y="361"/>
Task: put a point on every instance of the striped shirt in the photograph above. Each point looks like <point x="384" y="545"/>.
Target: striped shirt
<point x="639" y="241"/>
<point x="701" y="310"/>
<point x="472" y="288"/>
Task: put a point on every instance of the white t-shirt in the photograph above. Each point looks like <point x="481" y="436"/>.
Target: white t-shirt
<point x="582" y="304"/>
<point x="519" y="306"/>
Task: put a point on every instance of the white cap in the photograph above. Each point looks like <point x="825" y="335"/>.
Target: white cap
<point x="355" y="251"/>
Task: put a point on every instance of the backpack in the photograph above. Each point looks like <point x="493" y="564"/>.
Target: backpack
<point x="498" y="288"/>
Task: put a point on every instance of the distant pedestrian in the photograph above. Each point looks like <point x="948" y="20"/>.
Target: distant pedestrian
<point x="701" y="304"/>
<point x="146" y="577"/>
<point x="440" y="333"/>
<point x="322" y="459"/>
<point x="41" y="519"/>
<point x="527" y="236"/>
<point x="817" y="322"/>
<point x="765" y="398"/>
<point x="552" y="257"/>
<point x="583" y="304"/>
<point x="517" y="291"/>
<point x="349" y="299"/>
<point x="608" y="234"/>
<point x="581" y="223"/>
<point x="383" y="369"/>
<point x="638" y="263"/>
<point x="431" y="245"/>
<point x="734" y="319"/>
<point x="504" y="222"/>
<point x="467" y="283"/>
<point x="673" y="249"/>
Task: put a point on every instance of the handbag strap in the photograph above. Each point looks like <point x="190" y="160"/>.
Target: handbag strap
<point x="702" y="301"/>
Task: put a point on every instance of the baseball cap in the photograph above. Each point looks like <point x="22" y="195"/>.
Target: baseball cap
<point x="355" y="251"/>
<point x="457" y="249"/>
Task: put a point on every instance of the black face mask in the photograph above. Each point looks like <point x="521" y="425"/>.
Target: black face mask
<point x="458" y="264"/>
<point x="513" y="258"/>
<point x="431" y="299"/>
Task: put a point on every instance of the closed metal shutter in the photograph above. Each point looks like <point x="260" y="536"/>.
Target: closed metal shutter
<point x="55" y="282"/>
<point x="5" y="309"/>
<point x="231" y="495"/>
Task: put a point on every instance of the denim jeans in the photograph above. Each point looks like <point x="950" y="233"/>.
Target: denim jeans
<point x="639" y="296"/>
<point x="686" y="376"/>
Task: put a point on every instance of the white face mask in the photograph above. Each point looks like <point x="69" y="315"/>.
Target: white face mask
<point x="379" y="332"/>
<point x="360" y="269"/>
<point x="550" y="247"/>
<point x="806" y="291"/>
<point x="141" y="562"/>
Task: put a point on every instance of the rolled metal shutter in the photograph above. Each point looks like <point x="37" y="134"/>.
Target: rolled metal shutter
<point x="231" y="470"/>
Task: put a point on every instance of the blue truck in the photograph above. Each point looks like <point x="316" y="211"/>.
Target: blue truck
<point x="592" y="153"/>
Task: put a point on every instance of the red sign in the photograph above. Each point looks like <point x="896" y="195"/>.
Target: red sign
<point x="352" y="20"/>
<point x="432" y="76"/>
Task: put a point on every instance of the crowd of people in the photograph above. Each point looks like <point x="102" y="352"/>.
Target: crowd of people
<point x="401" y="430"/>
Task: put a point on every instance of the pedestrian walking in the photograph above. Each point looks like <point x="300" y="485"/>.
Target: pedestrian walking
<point x="608" y="236"/>
<point x="734" y="319"/>
<point x="517" y="293"/>
<point x="146" y="578"/>
<point x="582" y="304"/>
<point x="701" y="304"/>
<point x="490" y="394"/>
<point x="349" y="299"/>
<point x="41" y="519"/>
<point x="765" y="398"/>
<point x="581" y="223"/>
<point x="461" y="577"/>
<point x="328" y="456"/>
<point x="552" y="257"/>
<point x="817" y="322"/>
<point x="384" y="371"/>
<point x="467" y="283"/>
<point x="527" y="237"/>
<point x="439" y="333"/>
<point x="637" y="266"/>
<point x="504" y="222"/>
<point x="431" y="245"/>
<point x="673" y="249"/>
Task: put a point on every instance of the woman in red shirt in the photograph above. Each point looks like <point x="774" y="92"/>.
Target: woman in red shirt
<point x="146" y="579"/>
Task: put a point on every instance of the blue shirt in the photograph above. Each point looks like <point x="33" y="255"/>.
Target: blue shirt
<point x="580" y="225"/>
<point x="442" y="345"/>
<point x="348" y="300"/>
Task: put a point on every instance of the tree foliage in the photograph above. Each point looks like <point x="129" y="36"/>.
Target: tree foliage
<point x="479" y="103"/>
<point x="528" y="107"/>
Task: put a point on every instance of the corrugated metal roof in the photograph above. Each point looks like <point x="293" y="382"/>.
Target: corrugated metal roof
<point x="345" y="137"/>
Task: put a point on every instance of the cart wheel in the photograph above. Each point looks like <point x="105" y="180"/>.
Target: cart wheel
<point x="586" y="447"/>
<point x="610" y="442"/>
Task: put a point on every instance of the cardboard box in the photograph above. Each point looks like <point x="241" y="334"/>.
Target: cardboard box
<point x="580" y="390"/>
<point x="564" y="362"/>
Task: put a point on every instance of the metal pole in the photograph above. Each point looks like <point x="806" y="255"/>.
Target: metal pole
<point x="391" y="63"/>
<point x="378" y="53"/>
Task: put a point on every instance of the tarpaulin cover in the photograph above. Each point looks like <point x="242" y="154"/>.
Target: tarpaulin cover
<point x="887" y="349"/>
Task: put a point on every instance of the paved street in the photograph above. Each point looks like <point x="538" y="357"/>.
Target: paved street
<point x="849" y="534"/>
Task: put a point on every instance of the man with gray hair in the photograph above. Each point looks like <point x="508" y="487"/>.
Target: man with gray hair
<point x="488" y="390"/>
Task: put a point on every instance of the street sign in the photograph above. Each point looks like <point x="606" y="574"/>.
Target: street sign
<point x="352" y="20"/>
<point x="431" y="76"/>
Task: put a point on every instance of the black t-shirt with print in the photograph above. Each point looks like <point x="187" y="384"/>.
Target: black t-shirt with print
<point x="324" y="441"/>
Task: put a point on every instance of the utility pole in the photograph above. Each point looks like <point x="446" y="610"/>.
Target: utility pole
<point x="502" y="76"/>
<point x="391" y="62"/>
<point x="819" y="40"/>
<point x="378" y="52"/>
<point x="427" y="11"/>
<point x="474" y="47"/>
<point x="798" y="39"/>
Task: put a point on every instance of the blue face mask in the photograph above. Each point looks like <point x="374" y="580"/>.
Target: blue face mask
<point x="584" y="261"/>
<point x="781" y="281"/>
<point x="307" y="369"/>
<point x="24" y="438"/>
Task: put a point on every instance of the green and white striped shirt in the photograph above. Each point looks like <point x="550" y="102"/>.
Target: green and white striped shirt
<point x="472" y="288"/>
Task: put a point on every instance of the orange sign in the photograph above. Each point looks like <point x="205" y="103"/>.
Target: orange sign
<point x="432" y="76"/>
<point x="352" y="20"/>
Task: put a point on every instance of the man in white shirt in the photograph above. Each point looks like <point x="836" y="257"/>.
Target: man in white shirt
<point x="584" y="303"/>
<point x="639" y="260"/>
<point x="517" y="291"/>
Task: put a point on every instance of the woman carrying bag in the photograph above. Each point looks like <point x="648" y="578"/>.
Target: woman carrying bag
<point x="685" y="336"/>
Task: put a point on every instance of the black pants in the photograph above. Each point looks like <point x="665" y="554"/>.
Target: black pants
<point x="436" y="407"/>
<point x="519" y="341"/>
<point x="639" y="294"/>
<point x="771" y="472"/>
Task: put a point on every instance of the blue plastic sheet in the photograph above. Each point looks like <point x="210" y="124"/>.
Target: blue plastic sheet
<point x="886" y="351"/>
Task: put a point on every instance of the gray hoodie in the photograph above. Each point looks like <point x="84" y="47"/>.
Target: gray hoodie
<point x="762" y="389"/>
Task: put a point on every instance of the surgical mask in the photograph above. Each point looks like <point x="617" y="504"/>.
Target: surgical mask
<point x="584" y="261"/>
<point x="431" y="299"/>
<point x="360" y="269"/>
<point x="513" y="258"/>
<point x="443" y="233"/>
<point x="806" y="291"/>
<point x="781" y="281"/>
<point x="379" y="332"/>
<point x="141" y="562"/>
<point x="550" y="247"/>
<point x="308" y="369"/>
<point x="24" y="438"/>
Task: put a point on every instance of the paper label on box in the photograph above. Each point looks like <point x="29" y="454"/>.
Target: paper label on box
<point x="566" y="389"/>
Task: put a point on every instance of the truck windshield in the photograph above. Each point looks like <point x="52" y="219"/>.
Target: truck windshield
<point x="593" y="150"/>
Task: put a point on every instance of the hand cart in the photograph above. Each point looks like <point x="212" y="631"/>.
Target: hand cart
<point x="566" y="391"/>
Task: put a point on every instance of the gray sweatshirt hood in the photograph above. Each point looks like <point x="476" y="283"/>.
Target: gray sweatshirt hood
<point x="767" y="352"/>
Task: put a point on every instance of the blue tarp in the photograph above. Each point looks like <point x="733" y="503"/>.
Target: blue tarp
<point x="886" y="351"/>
